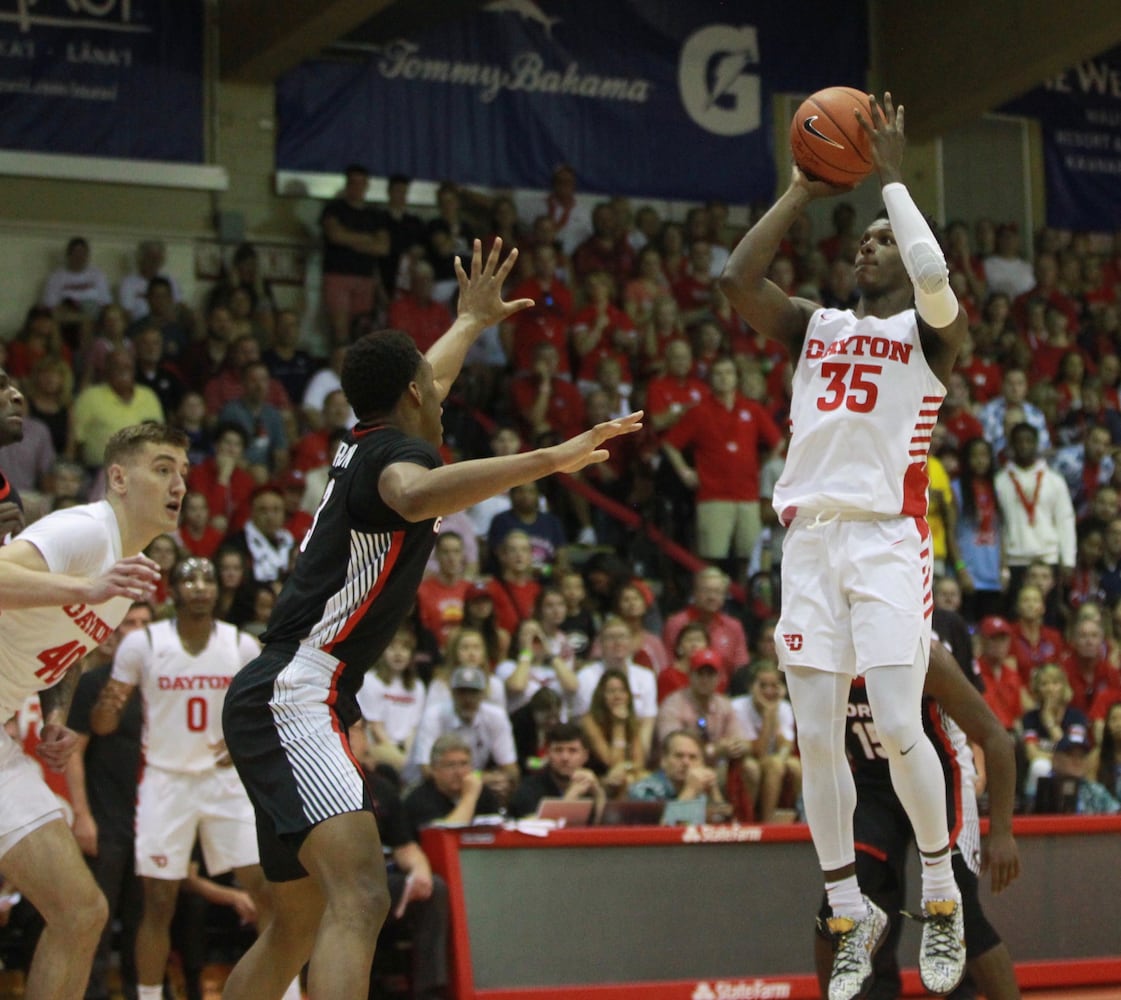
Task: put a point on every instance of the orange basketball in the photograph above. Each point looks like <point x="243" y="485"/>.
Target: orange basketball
<point x="827" y="140"/>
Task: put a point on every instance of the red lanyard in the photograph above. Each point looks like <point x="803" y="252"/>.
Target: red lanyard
<point x="1029" y="505"/>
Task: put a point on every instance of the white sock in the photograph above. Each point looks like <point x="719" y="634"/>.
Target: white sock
<point x="846" y="899"/>
<point x="293" y="992"/>
<point x="149" y="992"/>
<point x="937" y="878"/>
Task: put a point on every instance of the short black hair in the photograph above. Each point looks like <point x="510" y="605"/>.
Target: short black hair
<point x="377" y="370"/>
<point x="399" y="179"/>
<point x="356" y="168"/>
<point x="564" y="732"/>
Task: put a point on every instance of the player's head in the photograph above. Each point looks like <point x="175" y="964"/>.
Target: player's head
<point x="879" y="266"/>
<point x="194" y="585"/>
<point x="146" y="475"/>
<point x="385" y="377"/>
<point x="12" y="410"/>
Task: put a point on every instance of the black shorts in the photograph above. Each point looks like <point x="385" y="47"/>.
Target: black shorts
<point x="291" y="750"/>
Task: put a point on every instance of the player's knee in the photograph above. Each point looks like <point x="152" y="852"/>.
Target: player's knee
<point x="898" y="735"/>
<point x="362" y="900"/>
<point x="85" y="915"/>
<point x="817" y="743"/>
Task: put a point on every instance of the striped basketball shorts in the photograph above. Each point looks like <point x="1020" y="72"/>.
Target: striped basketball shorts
<point x="291" y="751"/>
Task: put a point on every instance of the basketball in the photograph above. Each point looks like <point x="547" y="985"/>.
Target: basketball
<point x="827" y="140"/>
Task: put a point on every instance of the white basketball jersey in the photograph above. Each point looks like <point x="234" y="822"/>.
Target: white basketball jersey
<point x="38" y="645"/>
<point x="864" y="403"/>
<point x="182" y="694"/>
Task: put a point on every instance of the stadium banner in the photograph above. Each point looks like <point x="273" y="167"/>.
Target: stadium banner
<point x="108" y="78"/>
<point x="1079" y="112"/>
<point x="653" y="98"/>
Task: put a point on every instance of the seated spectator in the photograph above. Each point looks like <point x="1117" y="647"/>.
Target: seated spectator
<point x="320" y="385"/>
<point x="288" y="363"/>
<point x="103" y="409"/>
<point x="264" y="538"/>
<point x="223" y="479"/>
<point x="515" y="588"/>
<point x="479" y="614"/>
<point x="229" y="385"/>
<point x="725" y="633"/>
<point x="693" y="289"/>
<point x="108" y="336"/>
<point x="538" y="664"/>
<point x="453" y="792"/>
<point x="27" y="463"/>
<point x="264" y="601"/>
<point x="1004" y="692"/>
<point x="602" y="330"/>
<point x="172" y="320"/>
<point x="1046" y="724"/>
<point x="155" y="371"/>
<point x="691" y="640"/>
<point x="132" y="292"/>
<point x="618" y="649"/>
<point x="614" y="734"/>
<point x="1070" y="766"/>
<point x="78" y="287"/>
<point x="263" y="423"/>
<point x="531" y="724"/>
<point x="441" y="595"/>
<point x="766" y="719"/>
<point x="544" y="404"/>
<point x="235" y="586"/>
<point x="48" y="394"/>
<point x="1013" y="393"/>
<point x="164" y="551"/>
<point x="484" y="727"/>
<point x="544" y="529"/>
<point x="698" y="708"/>
<point x="1107" y="756"/>
<point x="197" y="535"/>
<point x="684" y="776"/>
<point x="39" y="337"/>
<point x="632" y="605"/>
<point x="313" y="450"/>
<point x="297" y="518"/>
<point x="392" y="700"/>
<point x="1089" y="670"/>
<point x="564" y="776"/>
<point x="546" y="321"/>
<point x="467" y="649"/>
<point x="1005" y="270"/>
<point x="643" y="290"/>
<point x="1034" y="643"/>
<point x="662" y="330"/>
<point x="606" y="249"/>
<point x="416" y="312"/>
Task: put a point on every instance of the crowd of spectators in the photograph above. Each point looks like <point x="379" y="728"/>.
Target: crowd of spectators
<point x="610" y="635"/>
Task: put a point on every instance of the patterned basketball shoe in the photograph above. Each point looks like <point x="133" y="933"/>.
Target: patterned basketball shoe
<point x="942" y="952"/>
<point x="857" y="942"/>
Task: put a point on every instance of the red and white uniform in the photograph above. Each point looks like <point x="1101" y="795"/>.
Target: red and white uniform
<point x="183" y="791"/>
<point x="857" y="560"/>
<point x="865" y="401"/>
<point x="38" y="646"/>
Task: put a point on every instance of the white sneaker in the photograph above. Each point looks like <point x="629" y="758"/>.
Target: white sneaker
<point x="857" y="942"/>
<point x="942" y="952"/>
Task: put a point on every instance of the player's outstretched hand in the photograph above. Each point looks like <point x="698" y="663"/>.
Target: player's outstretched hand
<point x="480" y="292"/>
<point x="1002" y="859"/>
<point x="56" y="744"/>
<point x="135" y="578"/>
<point x="585" y="449"/>
<point x="884" y="126"/>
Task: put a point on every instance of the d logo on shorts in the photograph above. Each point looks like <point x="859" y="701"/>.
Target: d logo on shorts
<point x="793" y="641"/>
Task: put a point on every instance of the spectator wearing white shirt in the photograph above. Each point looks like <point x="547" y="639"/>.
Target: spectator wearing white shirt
<point x="78" y="284"/>
<point x="766" y="719"/>
<point x="132" y="292"/>
<point x="392" y="700"/>
<point x="617" y="644"/>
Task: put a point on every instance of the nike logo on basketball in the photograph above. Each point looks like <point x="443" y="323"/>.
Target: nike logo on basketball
<point x="903" y="753"/>
<point x="809" y="126"/>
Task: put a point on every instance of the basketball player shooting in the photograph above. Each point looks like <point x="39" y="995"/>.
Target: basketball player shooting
<point x="856" y="568"/>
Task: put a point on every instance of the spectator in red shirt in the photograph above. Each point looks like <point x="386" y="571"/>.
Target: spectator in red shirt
<point x="602" y="330"/>
<point x="515" y="589"/>
<point x="725" y="633"/>
<point x="1046" y="290"/>
<point x="224" y="481"/>
<point x="1034" y="643"/>
<point x="547" y="319"/>
<point x="441" y="595"/>
<point x="545" y="404"/>
<point x="416" y="312"/>
<point x="297" y="520"/>
<point x="692" y="641"/>
<point x="228" y="385"/>
<point x="957" y="412"/>
<point x="196" y="534"/>
<point x="1087" y="665"/>
<point x="727" y="433"/>
<point x="663" y="329"/>
<point x="693" y="290"/>
<point x="983" y="374"/>
<point x="606" y="249"/>
<point x="670" y="396"/>
<point x="313" y="449"/>
<point x="1004" y="692"/>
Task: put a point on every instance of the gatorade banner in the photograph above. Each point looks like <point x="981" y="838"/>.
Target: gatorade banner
<point x="112" y="78"/>
<point x="1080" y="115"/>
<point x="651" y="98"/>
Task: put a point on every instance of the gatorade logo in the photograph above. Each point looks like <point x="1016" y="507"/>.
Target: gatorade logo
<point x="717" y="91"/>
<point x="793" y="641"/>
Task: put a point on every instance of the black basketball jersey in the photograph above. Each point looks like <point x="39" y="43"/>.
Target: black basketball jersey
<point x="869" y="759"/>
<point x="360" y="563"/>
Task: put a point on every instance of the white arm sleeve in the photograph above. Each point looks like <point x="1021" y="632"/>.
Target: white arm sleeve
<point x="935" y="301"/>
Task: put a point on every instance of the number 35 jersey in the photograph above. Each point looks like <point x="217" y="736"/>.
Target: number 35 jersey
<point x="182" y="692"/>
<point x="864" y="403"/>
<point x="38" y="645"/>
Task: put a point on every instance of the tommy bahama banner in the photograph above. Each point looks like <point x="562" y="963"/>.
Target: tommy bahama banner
<point x="654" y="98"/>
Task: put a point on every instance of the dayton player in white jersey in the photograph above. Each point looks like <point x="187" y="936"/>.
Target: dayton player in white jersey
<point x="65" y="584"/>
<point x="188" y="788"/>
<point x="856" y="568"/>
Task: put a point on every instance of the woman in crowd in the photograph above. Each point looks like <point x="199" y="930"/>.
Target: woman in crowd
<point x="632" y="605"/>
<point x="979" y="570"/>
<point x="612" y="731"/>
<point x="392" y="699"/>
<point x="1108" y="764"/>
<point x="466" y="648"/>
<point x="49" y="393"/>
<point x="235" y="586"/>
<point x="541" y="660"/>
<point x="478" y="614"/>
<point x="109" y="336"/>
<point x="690" y="639"/>
<point x="1047" y="723"/>
<point x="164" y="551"/>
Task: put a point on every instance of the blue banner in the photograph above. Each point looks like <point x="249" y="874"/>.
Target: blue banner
<point x="653" y="98"/>
<point x="1079" y="112"/>
<point x="115" y="78"/>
